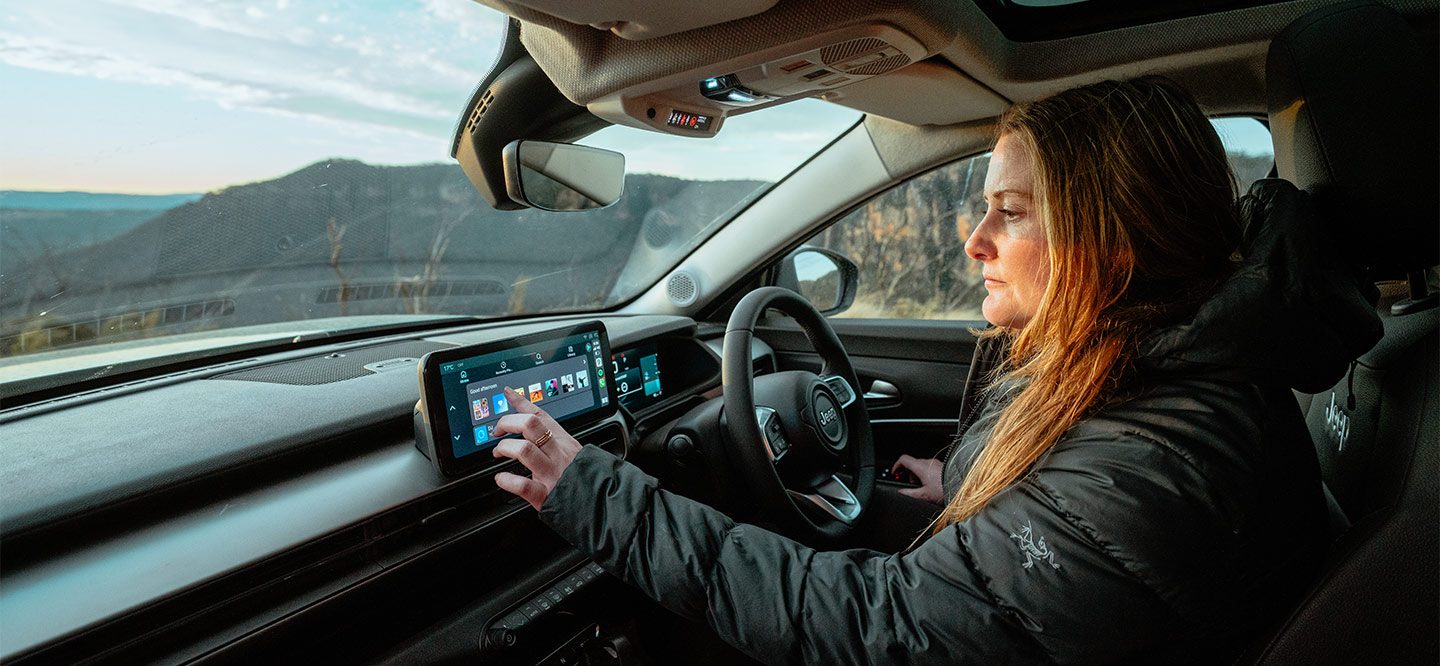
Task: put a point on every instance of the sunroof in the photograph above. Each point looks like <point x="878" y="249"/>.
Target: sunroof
<point x="1041" y="20"/>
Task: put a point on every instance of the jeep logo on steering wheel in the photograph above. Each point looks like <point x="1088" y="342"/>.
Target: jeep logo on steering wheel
<point x="828" y="417"/>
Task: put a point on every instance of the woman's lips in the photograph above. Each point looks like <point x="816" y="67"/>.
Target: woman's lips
<point x="990" y="282"/>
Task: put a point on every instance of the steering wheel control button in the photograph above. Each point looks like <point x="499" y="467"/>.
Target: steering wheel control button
<point x="841" y="389"/>
<point x="771" y="434"/>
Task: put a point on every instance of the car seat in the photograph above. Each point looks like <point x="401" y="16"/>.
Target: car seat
<point x="1353" y="112"/>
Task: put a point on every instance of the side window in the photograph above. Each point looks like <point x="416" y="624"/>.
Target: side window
<point x="909" y="245"/>
<point x="909" y="241"/>
<point x="1247" y="144"/>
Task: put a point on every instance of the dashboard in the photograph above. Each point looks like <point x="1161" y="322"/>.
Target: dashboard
<point x="256" y="489"/>
<point x="657" y="373"/>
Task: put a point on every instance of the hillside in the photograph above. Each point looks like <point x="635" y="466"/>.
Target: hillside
<point x="32" y="223"/>
<point x="91" y="200"/>
<point x="341" y="223"/>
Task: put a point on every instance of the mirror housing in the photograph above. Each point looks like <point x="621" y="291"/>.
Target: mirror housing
<point x="824" y="277"/>
<point x="562" y="176"/>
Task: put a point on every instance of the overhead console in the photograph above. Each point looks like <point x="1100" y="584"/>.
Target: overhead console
<point x="694" y="65"/>
<point x="697" y="102"/>
<point x="638" y="19"/>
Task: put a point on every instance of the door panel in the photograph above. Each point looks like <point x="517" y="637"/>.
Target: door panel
<point x="924" y="361"/>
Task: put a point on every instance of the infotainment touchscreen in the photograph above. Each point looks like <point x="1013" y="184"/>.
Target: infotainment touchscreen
<point x="562" y="371"/>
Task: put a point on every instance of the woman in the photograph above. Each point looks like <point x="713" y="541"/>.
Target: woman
<point x="1132" y="480"/>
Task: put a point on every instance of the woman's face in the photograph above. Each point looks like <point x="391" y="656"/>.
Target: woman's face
<point x="1010" y="241"/>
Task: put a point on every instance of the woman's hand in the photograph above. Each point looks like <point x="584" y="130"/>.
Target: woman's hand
<point x="928" y="471"/>
<point x="546" y="450"/>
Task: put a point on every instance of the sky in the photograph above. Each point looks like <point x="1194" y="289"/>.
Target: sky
<point x="163" y="96"/>
<point x="166" y="96"/>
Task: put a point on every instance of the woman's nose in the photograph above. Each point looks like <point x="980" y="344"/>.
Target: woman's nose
<point x="979" y="245"/>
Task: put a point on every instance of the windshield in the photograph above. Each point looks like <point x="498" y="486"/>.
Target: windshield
<point x="182" y="171"/>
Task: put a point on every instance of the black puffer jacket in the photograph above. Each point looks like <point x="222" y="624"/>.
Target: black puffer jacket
<point x="1160" y="529"/>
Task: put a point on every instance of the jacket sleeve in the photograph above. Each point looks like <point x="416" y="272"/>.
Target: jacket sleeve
<point x="1021" y="581"/>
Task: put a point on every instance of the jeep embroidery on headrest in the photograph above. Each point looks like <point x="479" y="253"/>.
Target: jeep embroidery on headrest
<point x="1339" y="422"/>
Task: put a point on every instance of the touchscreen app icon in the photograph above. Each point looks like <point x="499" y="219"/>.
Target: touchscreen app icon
<point x="501" y="406"/>
<point x="567" y="383"/>
<point x="552" y="387"/>
<point x="482" y="433"/>
<point x="536" y="394"/>
<point x="477" y="410"/>
<point x="582" y="379"/>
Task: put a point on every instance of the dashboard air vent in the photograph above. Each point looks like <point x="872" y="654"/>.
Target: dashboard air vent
<point x="610" y="437"/>
<point x="339" y="366"/>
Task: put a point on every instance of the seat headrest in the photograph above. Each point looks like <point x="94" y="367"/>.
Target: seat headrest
<point x="1353" y="113"/>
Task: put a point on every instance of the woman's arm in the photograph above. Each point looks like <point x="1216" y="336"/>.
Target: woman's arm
<point x="993" y="590"/>
<point x="1027" y="579"/>
<point x="773" y="598"/>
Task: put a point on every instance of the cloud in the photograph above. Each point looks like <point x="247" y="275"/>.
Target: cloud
<point x="49" y="56"/>
<point x="467" y="22"/>
<point x="799" y="137"/>
<point x="397" y="67"/>
<point x="230" y="18"/>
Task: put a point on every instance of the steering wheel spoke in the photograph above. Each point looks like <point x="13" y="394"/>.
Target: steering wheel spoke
<point x="834" y="498"/>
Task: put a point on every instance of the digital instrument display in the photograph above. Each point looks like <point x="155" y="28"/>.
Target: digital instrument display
<point x="562" y="371"/>
<point x="637" y="376"/>
<point x="692" y="121"/>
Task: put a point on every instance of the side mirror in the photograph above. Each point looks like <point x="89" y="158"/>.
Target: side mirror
<point x="824" y="277"/>
<point x="562" y="176"/>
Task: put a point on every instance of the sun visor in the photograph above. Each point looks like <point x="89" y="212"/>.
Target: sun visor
<point x="925" y="93"/>
<point x="639" y="19"/>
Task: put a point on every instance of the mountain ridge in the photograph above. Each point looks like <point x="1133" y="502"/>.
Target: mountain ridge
<point x="81" y="200"/>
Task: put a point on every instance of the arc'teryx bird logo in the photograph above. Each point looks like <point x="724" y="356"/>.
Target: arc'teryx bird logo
<point x="1035" y="550"/>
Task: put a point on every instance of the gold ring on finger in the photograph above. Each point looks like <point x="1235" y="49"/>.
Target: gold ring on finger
<point x="540" y="442"/>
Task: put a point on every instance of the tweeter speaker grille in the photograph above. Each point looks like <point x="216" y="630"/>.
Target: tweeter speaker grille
<point x="682" y="288"/>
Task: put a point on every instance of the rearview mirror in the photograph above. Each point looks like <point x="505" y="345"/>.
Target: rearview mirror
<point x="562" y="176"/>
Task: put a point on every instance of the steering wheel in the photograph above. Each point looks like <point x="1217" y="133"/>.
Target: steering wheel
<point x="792" y="432"/>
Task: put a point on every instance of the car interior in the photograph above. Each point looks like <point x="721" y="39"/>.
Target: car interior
<point x="282" y="505"/>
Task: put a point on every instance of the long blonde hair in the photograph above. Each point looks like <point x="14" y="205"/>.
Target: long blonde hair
<point x="1137" y="201"/>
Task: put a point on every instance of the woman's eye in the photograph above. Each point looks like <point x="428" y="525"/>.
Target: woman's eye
<point x="1010" y="215"/>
